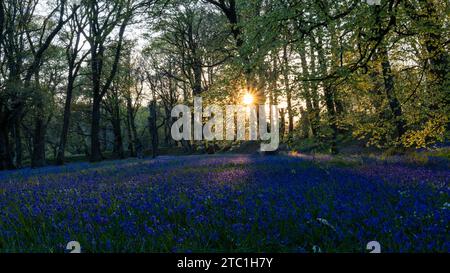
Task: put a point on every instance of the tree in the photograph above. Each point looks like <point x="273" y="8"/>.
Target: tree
<point x="75" y="58"/>
<point x="20" y="15"/>
<point x="102" y="18"/>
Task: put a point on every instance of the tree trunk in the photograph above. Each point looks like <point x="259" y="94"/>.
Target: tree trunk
<point x="315" y="123"/>
<point x="290" y="111"/>
<point x="307" y="89"/>
<point x="168" y="126"/>
<point x="335" y="66"/>
<point x="15" y="86"/>
<point x="96" y="155"/>
<point x="5" y="152"/>
<point x="197" y="88"/>
<point x="332" y="117"/>
<point x="66" y="122"/>
<point x="389" y="87"/>
<point x="38" y="157"/>
<point x="438" y="56"/>
<point x="99" y="90"/>
<point x="131" y="141"/>
<point x="18" y="142"/>
<point x="329" y="97"/>
<point x="282" y="124"/>
<point x="118" y="141"/>
<point x="153" y="128"/>
<point x="131" y="128"/>
<point x="117" y="130"/>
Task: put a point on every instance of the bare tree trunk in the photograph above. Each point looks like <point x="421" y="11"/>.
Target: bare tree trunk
<point x="18" y="142"/>
<point x="117" y="129"/>
<point x="307" y="89"/>
<point x="95" y="131"/>
<point x="389" y="87"/>
<point x="5" y="152"/>
<point x="131" y="135"/>
<point x="72" y="52"/>
<point x="197" y="88"/>
<point x="97" y="54"/>
<point x="438" y="57"/>
<point x="329" y="92"/>
<point x="167" y="126"/>
<point x="314" y="91"/>
<point x="38" y="158"/>
<point x="14" y="121"/>
<point x="335" y="66"/>
<point x="66" y="121"/>
<point x="287" y="85"/>
<point x="153" y="128"/>
<point x="118" y="141"/>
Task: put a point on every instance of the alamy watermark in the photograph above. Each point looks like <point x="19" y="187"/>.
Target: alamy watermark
<point x="234" y="119"/>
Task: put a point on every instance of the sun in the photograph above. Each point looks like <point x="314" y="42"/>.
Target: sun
<point x="248" y="99"/>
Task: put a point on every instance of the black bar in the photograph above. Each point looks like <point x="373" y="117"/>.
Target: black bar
<point x="222" y="262"/>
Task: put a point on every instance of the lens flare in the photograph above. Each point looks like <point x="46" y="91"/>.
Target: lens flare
<point x="248" y="99"/>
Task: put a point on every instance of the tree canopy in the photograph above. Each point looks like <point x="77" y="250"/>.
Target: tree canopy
<point x="98" y="79"/>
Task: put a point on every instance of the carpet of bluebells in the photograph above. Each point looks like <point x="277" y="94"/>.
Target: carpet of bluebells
<point x="233" y="203"/>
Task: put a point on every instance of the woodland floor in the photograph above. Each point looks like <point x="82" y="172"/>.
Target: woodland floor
<point x="228" y="203"/>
